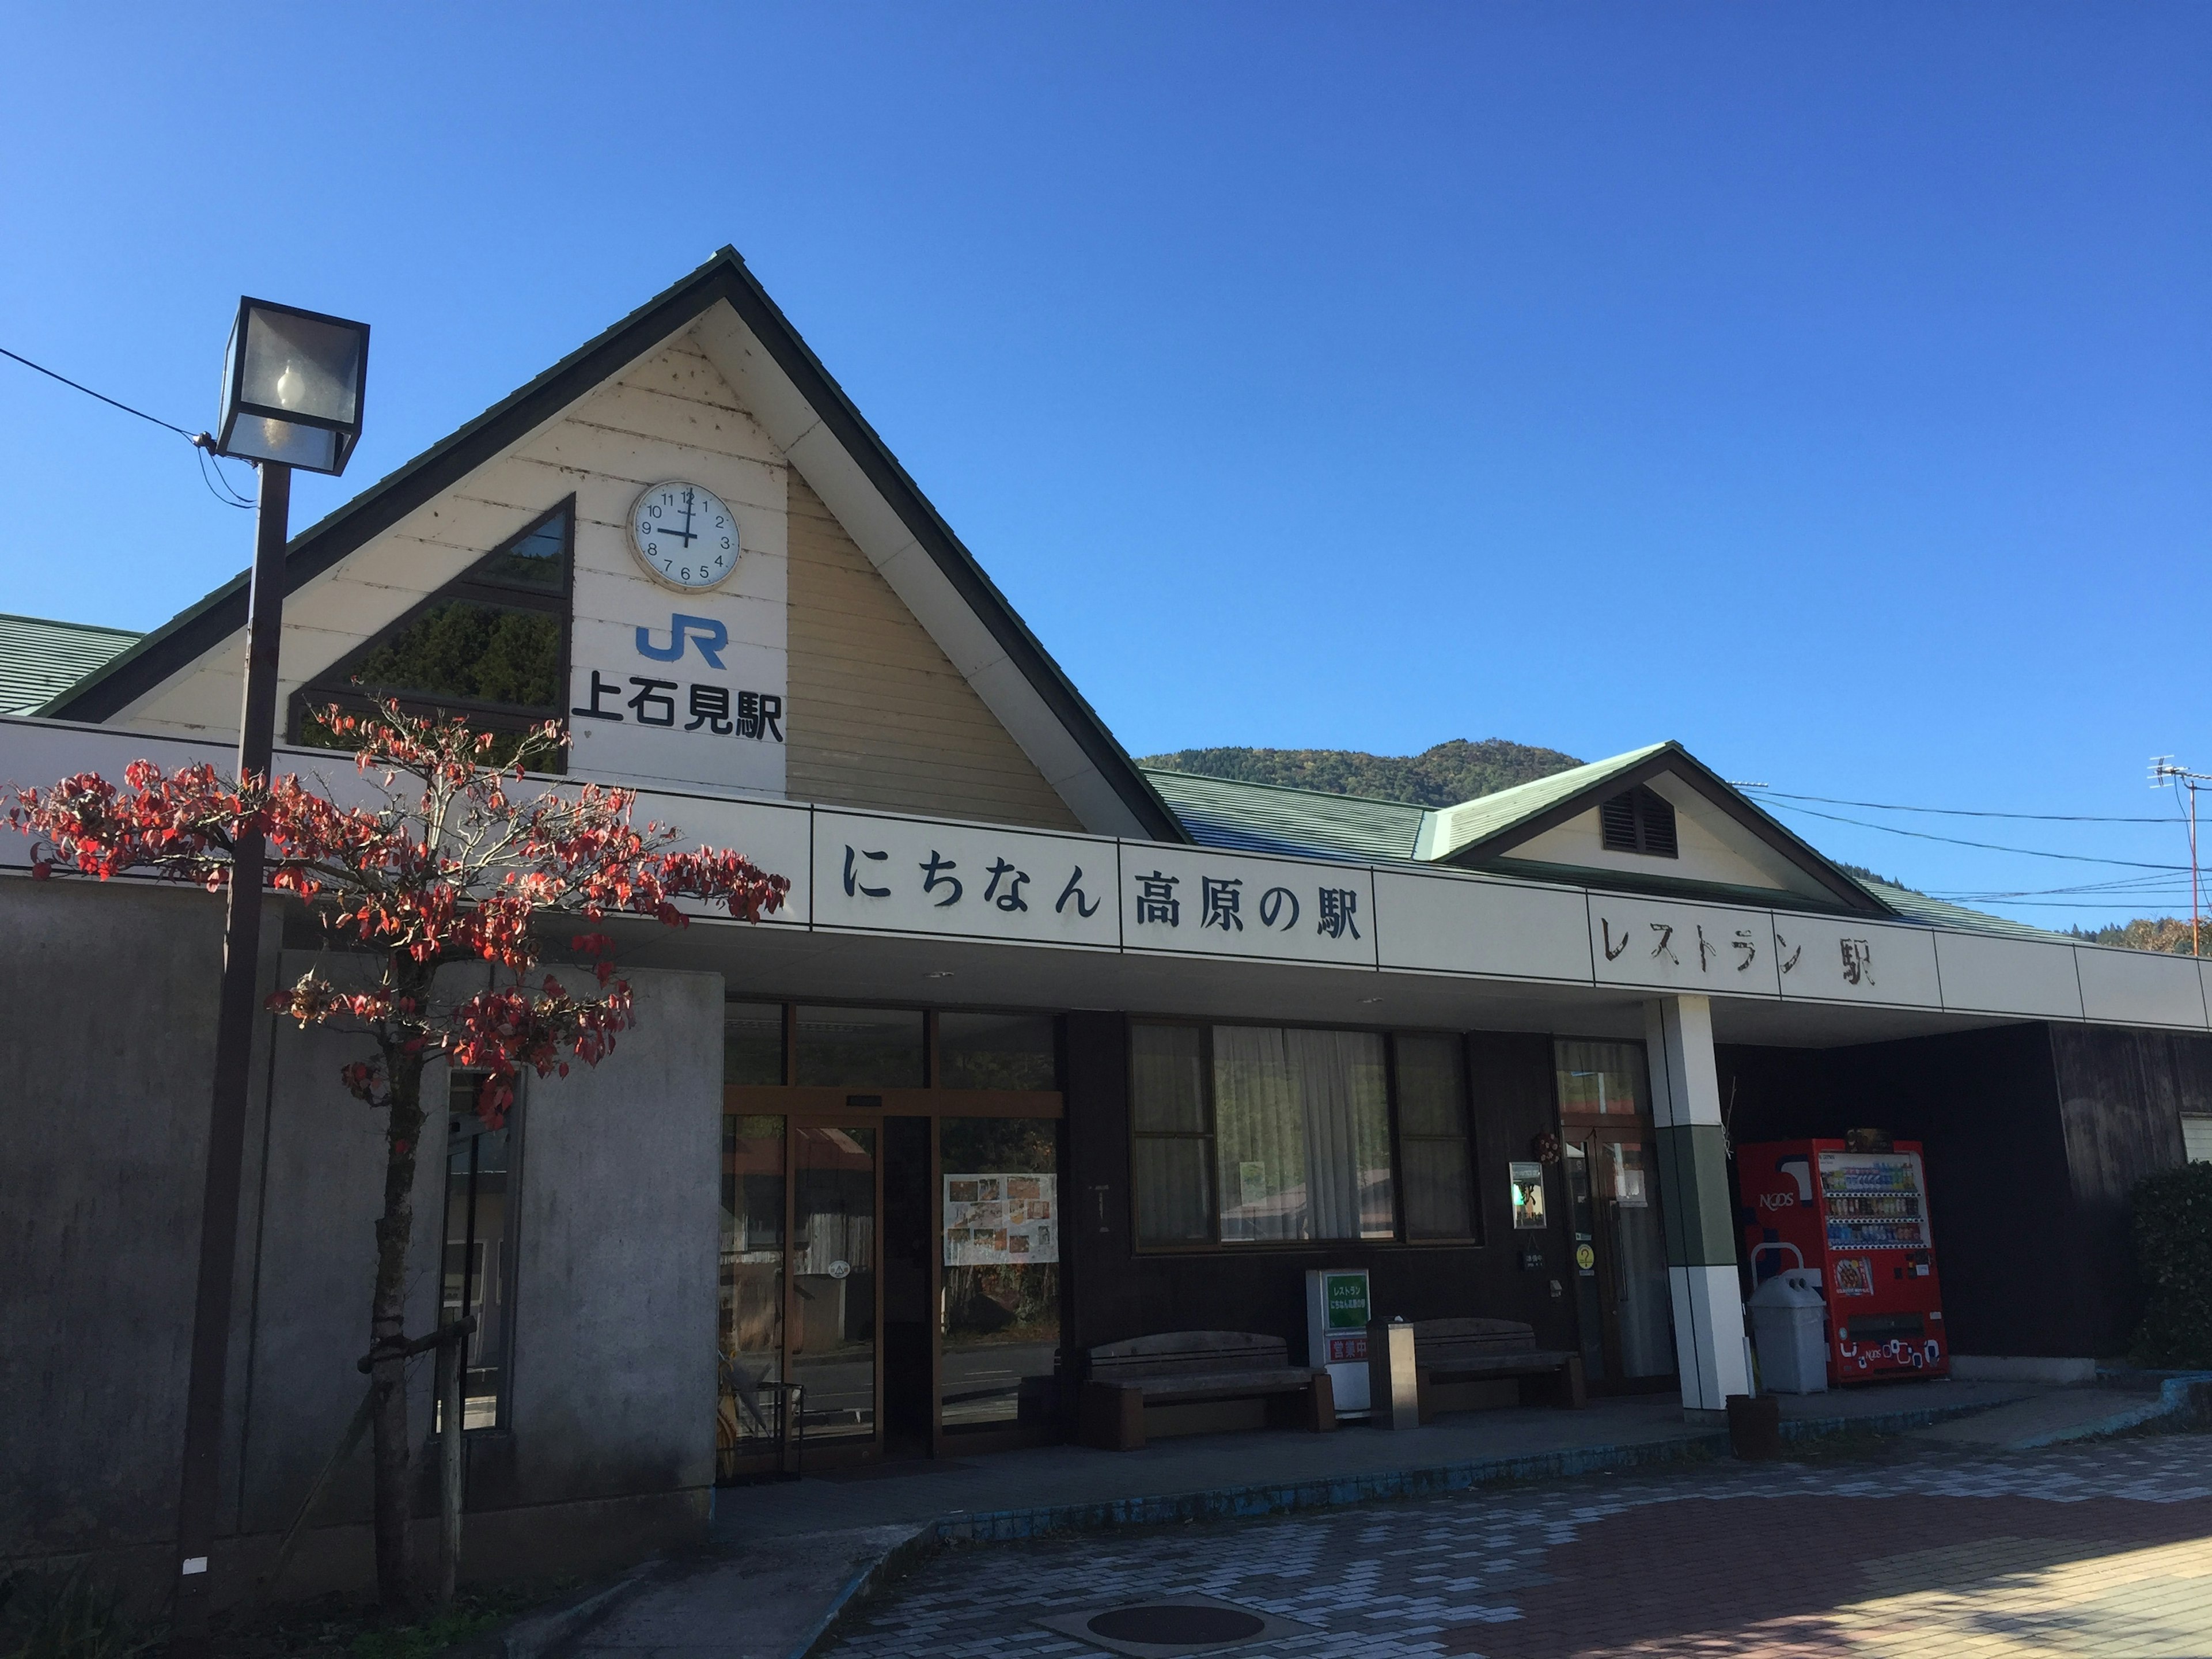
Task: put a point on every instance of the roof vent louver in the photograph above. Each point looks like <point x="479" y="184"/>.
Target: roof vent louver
<point x="1638" y="820"/>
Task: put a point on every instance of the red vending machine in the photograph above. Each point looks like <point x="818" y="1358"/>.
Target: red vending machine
<point x="1860" y="1219"/>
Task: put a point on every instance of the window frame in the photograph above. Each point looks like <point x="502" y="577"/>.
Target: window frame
<point x="1398" y="1238"/>
<point x="510" y="1257"/>
<point x="334" y="684"/>
<point x="930" y="1051"/>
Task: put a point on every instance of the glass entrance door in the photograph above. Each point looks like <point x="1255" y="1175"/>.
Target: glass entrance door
<point x="832" y="1333"/>
<point x="1623" y="1302"/>
<point x="999" y="1292"/>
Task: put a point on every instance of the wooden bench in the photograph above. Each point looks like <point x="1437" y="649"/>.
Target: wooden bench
<point x="1456" y="1361"/>
<point x="1197" y="1382"/>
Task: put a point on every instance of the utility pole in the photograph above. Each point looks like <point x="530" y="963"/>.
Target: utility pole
<point x="2165" y="772"/>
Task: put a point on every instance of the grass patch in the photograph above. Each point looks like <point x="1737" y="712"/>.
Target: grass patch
<point x="333" y="1628"/>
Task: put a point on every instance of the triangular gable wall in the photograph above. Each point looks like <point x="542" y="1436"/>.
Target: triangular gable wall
<point x="1000" y="735"/>
<point x="1725" y="846"/>
<point x="1712" y="848"/>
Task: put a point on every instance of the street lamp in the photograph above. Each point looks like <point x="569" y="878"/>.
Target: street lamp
<point x="292" y="383"/>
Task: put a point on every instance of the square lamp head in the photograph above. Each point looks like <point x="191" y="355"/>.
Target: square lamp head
<point x="292" y="384"/>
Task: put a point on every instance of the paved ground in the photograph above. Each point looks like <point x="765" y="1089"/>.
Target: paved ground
<point x="1924" y="1549"/>
<point x="1057" y="1475"/>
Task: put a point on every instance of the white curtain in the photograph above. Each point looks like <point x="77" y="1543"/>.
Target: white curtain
<point x="1302" y="1126"/>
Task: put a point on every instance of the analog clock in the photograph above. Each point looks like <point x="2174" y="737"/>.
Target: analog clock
<point x="684" y="535"/>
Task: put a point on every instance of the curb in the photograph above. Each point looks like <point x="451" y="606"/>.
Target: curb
<point x="1924" y="1416"/>
<point x="1224" y="1503"/>
<point x="899" y="1559"/>
<point x="2188" y="1395"/>
<point x="535" y="1634"/>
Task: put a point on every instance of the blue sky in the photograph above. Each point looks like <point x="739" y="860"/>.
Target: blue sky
<point x="1827" y="388"/>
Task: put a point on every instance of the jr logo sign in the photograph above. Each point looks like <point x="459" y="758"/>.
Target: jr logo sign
<point x="704" y="632"/>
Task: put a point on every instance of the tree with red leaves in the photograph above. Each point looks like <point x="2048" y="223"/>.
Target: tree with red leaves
<point x="440" y="862"/>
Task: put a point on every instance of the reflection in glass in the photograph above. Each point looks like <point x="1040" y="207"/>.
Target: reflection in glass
<point x="749" y="1414"/>
<point x="998" y="1051"/>
<point x="1644" y="1305"/>
<point x="1589" y="1304"/>
<point x="833" y="1270"/>
<point x="1167" y="1092"/>
<point x="752" y="1043"/>
<point x="1000" y="1301"/>
<point x="1433" y="1137"/>
<point x="476" y="1249"/>
<point x="859" y="1048"/>
<point x="1602" y="1080"/>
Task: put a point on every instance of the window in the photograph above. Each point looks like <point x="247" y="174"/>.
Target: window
<point x="1252" y="1135"/>
<point x="491" y="646"/>
<point x="2196" y="1139"/>
<point x="1638" y="820"/>
<point x="1174" y="1147"/>
<point x="752" y="1043"/>
<point x="998" y="1051"/>
<point x="1602" y="1080"/>
<point x="1433" y="1137"/>
<point x="478" y="1252"/>
<point x="859" y="1048"/>
<point x="1302" y="1135"/>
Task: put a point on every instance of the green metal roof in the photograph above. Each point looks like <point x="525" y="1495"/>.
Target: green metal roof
<point x="39" y="660"/>
<point x="1266" y="817"/>
<point x="1486" y="815"/>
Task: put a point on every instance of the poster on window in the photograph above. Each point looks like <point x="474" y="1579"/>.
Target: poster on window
<point x="1000" y="1220"/>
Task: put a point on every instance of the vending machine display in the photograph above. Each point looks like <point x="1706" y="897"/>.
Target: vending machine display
<point x="1859" y="1221"/>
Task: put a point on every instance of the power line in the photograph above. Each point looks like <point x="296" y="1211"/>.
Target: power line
<point x="1989" y="846"/>
<point x="228" y="494"/>
<point x="1952" y="811"/>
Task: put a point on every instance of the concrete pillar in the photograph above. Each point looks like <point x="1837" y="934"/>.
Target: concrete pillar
<point x="1698" y="1209"/>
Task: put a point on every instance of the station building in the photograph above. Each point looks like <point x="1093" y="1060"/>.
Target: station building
<point x="1047" y="1050"/>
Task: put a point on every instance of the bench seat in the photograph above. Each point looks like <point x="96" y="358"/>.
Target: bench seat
<point x="1191" y="1382"/>
<point x="1452" y="1358"/>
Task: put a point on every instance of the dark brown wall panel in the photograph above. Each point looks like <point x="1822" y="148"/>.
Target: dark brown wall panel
<point x="1115" y="1292"/>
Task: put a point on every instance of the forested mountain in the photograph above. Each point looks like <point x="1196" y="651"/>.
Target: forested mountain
<point x="1441" y="777"/>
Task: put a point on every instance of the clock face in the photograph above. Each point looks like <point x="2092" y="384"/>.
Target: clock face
<point x="684" y="535"/>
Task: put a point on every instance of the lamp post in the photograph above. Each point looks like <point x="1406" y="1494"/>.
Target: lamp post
<point x="291" y="397"/>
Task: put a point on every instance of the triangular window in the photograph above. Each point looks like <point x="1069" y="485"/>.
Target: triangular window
<point x="491" y="646"/>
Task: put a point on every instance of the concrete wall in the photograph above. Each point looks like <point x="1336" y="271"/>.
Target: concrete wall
<point x="608" y="1452"/>
<point x="107" y="1015"/>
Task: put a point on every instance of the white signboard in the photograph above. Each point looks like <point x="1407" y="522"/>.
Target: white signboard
<point x="911" y="876"/>
<point x="1471" y="925"/>
<point x="1198" y="903"/>
<point x="1001" y="1221"/>
<point x="682" y="688"/>
<point x="1848" y="959"/>
<point x="1704" y="949"/>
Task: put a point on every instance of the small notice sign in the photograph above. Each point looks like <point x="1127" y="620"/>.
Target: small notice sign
<point x="1001" y="1221"/>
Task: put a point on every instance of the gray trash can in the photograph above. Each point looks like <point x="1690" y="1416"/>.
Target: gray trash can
<point x="1786" y="1318"/>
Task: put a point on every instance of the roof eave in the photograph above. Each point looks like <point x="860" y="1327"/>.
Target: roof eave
<point x="200" y="627"/>
<point x="1670" y="757"/>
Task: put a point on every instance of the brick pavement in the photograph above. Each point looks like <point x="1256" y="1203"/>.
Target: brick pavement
<point x="2101" y="1549"/>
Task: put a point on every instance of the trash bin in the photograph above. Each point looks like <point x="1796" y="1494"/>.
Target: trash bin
<point x="1786" y="1314"/>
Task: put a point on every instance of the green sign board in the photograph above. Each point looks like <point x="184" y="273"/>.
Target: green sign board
<point x="1347" y="1301"/>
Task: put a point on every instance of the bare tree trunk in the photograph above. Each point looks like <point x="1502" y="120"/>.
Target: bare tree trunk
<point x="395" y="1580"/>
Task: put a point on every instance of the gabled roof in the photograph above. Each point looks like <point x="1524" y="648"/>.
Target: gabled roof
<point x="1484" y="832"/>
<point x="1266" y="817"/>
<point x="203" y="627"/>
<point x="39" y="660"/>
<point x="1526" y="808"/>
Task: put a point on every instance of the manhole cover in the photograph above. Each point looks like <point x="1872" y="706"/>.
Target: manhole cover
<point x="1174" y="1625"/>
<point x="1179" y="1625"/>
